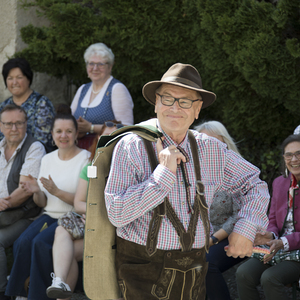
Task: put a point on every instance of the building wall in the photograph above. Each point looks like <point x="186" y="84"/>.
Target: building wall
<point x="12" y="19"/>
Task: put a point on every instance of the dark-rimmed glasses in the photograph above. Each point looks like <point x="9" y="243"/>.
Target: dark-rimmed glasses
<point x="112" y="124"/>
<point x="289" y="156"/>
<point x="9" y="125"/>
<point x="100" y="65"/>
<point x="182" y="102"/>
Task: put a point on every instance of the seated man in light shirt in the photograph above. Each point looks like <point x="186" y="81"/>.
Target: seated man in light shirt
<point x="20" y="155"/>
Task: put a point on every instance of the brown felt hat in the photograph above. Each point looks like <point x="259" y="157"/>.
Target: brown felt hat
<point x="182" y="75"/>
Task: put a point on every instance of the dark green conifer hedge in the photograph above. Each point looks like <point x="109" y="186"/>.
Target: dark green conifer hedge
<point x="247" y="52"/>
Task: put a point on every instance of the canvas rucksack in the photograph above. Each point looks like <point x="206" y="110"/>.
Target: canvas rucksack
<point x="99" y="274"/>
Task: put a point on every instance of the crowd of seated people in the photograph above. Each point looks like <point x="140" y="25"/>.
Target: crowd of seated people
<point x="44" y="156"/>
<point x="44" y="185"/>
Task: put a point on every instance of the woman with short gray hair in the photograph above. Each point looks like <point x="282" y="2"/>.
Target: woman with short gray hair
<point x="104" y="98"/>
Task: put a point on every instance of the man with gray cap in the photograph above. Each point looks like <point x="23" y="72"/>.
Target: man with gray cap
<point x="160" y="209"/>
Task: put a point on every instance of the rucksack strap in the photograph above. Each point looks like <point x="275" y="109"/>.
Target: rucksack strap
<point x="186" y="238"/>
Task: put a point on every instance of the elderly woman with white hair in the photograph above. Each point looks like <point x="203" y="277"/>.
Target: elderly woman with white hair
<point x="223" y="215"/>
<point x="104" y="98"/>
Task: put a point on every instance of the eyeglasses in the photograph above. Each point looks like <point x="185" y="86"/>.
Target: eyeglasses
<point x="112" y="124"/>
<point x="9" y="125"/>
<point x="288" y="156"/>
<point x="91" y="65"/>
<point x="183" y="103"/>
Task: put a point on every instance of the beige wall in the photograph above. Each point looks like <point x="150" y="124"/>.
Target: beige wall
<point x="12" y="18"/>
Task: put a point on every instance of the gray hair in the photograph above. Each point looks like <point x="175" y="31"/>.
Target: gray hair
<point x="99" y="49"/>
<point x="218" y="128"/>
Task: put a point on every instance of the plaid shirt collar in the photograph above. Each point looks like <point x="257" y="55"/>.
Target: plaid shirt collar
<point x="168" y="141"/>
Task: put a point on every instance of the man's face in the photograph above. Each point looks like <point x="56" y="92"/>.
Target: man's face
<point x="13" y="135"/>
<point x="174" y="120"/>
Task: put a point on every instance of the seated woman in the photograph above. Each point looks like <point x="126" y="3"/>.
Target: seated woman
<point x="223" y="215"/>
<point x="104" y="98"/>
<point x="67" y="251"/>
<point x="54" y="191"/>
<point x="17" y="76"/>
<point x="283" y="233"/>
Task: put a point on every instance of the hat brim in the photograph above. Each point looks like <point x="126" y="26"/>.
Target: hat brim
<point x="150" y="88"/>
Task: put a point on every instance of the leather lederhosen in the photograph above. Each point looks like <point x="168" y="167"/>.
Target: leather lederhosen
<point x="145" y="272"/>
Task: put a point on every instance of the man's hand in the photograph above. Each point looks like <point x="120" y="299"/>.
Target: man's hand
<point x="169" y="157"/>
<point x="239" y="246"/>
<point x="4" y="203"/>
<point x="262" y="239"/>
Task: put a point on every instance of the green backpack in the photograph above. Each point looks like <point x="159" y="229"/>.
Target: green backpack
<point x="99" y="273"/>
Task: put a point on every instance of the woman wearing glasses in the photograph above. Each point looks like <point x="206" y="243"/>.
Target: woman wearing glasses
<point x="283" y="234"/>
<point x="104" y="98"/>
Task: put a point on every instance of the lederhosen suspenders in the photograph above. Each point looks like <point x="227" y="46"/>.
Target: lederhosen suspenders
<point x="200" y="206"/>
<point x="159" y="274"/>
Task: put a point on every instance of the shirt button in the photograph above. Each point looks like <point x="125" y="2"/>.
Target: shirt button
<point x="295" y="222"/>
<point x="182" y="202"/>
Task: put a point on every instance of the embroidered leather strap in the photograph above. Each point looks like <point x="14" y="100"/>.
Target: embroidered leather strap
<point x="186" y="238"/>
<point x="159" y="211"/>
<point x="199" y="198"/>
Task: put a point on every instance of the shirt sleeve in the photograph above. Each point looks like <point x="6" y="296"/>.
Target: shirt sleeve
<point x="83" y="173"/>
<point x="241" y="179"/>
<point x="33" y="159"/>
<point x="44" y="116"/>
<point x="122" y="104"/>
<point x="128" y="195"/>
<point x="74" y="103"/>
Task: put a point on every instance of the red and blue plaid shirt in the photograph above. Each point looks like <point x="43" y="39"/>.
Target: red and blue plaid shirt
<point x="133" y="190"/>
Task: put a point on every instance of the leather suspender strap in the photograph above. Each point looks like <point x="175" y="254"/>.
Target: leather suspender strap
<point x="159" y="211"/>
<point x="199" y="198"/>
<point x="186" y="238"/>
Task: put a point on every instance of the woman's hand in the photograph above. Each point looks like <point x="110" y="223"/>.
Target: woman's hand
<point x="49" y="185"/>
<point x="30" y="186"/>
<point x="84" y="126"/>
<point x="275" y="246"/>
<point x="263" y="239"/>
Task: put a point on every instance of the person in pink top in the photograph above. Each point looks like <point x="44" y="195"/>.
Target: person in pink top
<point x="283" y="234"/>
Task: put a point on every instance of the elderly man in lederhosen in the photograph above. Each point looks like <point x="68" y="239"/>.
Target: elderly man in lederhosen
<point x="158" y="196"/>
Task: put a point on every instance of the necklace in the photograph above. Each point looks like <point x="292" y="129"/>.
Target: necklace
<point x="95" y="92"/>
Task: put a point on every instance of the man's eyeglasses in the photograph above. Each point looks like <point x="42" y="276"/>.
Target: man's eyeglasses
<point x="91" y="65"/>
<point x="288" y="156"/>
<point x="112" y="124"/>
<point x="9" y="125"/>
<point x="183" y="103"/>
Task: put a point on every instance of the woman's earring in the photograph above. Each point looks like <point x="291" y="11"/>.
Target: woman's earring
<point x="76" y="142"/>
<point x="286" y="172"/>
<point x="53" y="143"/>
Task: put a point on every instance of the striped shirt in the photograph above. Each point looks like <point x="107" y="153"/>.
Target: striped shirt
<point x="133" y="190"/>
